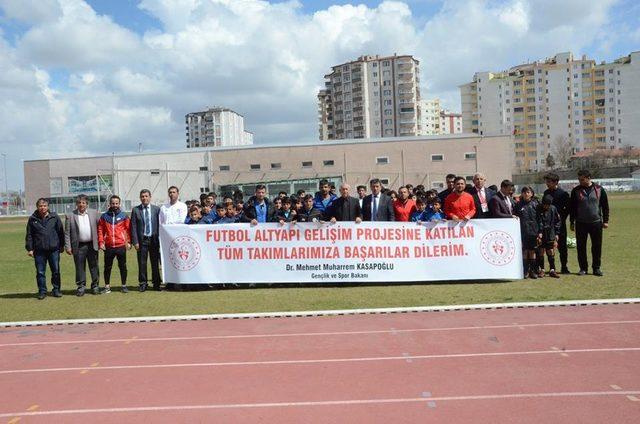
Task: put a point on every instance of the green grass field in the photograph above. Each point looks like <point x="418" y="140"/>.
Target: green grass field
<point x="18" y="287"/>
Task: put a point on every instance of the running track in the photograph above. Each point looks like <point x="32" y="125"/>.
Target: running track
<point x="531" y="365"/>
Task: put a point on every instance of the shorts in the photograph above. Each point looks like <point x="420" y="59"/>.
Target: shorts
<point x="547" y="245"/>
<point x="529" y="243"/>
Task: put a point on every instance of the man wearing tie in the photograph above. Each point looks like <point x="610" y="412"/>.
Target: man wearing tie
<point x="377" y="206"/>
<point x="481" y="196"/>
<point x="501" y="205"/>
<point x="145" y="238"/>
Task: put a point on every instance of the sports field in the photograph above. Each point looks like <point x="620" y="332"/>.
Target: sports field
<point x="18" y="302"/>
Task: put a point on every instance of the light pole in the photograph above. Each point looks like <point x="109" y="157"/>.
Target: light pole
<point x="4" y="161"/>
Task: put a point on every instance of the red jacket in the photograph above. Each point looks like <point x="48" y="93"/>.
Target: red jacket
<point x="460" y="205"/>
<point x="404" y="210"/>
<point x="114" y="229"/>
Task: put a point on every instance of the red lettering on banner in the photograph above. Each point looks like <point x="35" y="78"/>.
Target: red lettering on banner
<point x="384" y="234"/>
<point x="439" y="233"/>
<point x="439" y="250"/>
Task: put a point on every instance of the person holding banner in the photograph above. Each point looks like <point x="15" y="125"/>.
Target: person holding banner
<point x="174" y="211"/>
<point x="403" y="206"/>
<point x="324" y="198"/>
<point x="308" y="213"/>
<point x="459" y="205"/>
<point x="481" y="195"/>
<point x="345" y="208"/>
<point x="258" y="208"/>
<point x="450" y="181"/>
<point x="501" y="205"/>
<point x="377" y="206"/>
<point x="285" y="214"/>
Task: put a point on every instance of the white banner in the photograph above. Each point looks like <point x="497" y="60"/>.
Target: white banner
<point x="341" y="252"/>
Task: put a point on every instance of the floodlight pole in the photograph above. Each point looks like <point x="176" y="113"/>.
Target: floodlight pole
<point x="4" y="160"/>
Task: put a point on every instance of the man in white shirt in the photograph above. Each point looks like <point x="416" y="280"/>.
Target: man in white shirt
<point x="81" y="241"/>
<point x="174" y="211"/>
<point x="481" y="195"/>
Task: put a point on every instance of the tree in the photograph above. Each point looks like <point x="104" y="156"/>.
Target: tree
<point x="563" y="149"/>
<point x="550" y="161"/>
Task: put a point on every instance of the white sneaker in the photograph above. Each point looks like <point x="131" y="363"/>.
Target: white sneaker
<point x="106" y="290"/>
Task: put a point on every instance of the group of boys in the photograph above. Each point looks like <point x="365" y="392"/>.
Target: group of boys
<point x="85" y="231"/>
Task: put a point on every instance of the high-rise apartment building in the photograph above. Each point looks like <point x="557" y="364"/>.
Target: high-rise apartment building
<point x="450" y="122"/>
<point x="216" y="127"/>
<point x="559" y="102"/>
<point x="372" y="96"/>
<point x="430" y="116"/>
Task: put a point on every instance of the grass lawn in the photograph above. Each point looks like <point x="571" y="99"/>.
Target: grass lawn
<point x="18" y="303"/>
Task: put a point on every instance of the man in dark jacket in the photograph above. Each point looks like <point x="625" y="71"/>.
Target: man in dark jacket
<point x="308" y="213"/>
<point x="481" y="195"/>
<point x="501" y="205"/>
<point x="44" y="242"/>
<point x="561" y="201"/>
<point x="589" y="214"/>
<point x="450" y="181"/>
<point x="145" y="237"/>
<point x="259" y="208"/>
<point x="345" y="207"/>
<point x="377" y="206"/>
<point x="324" y="198"/>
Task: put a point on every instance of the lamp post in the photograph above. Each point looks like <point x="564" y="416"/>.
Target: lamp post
<point x="6" y="190"/>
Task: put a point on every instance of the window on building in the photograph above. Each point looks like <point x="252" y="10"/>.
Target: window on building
<point x="384" y="181"/>
<point x="204" y="168"/>
<point x="155" y="172"/>
<point x="307" y="164"/>
<point x="276" y="165"/>
<point x="382" y="160"/>
<point x="254" y="166"/>
<point x="328" y="163"/>
<point x="224" y="167"/>
<point x="437" y="158"/>
<point x="470" y="156"/>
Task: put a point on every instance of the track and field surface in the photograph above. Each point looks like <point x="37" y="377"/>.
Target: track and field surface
<point x="546" y="364"/>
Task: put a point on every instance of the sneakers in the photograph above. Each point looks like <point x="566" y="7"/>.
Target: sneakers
<point x="106" y="290"/>
<point x="124" y="289"/>
<point x="553" y="274"/>
<point x="541" y="273"/>
<point x="598" y="272"/>
<point x="582" y="272"/>
<point x="533" y="275"/>
<point x="42" y="295"/>
<point x="565" y="270"/>
<point x="80" y="291"/>
<point x="142" y="288"/>
<point x="95" y="290"/>
<point x="56" y="293"/>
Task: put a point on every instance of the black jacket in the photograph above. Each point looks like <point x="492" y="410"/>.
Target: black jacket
<point x="528" y="214"/>
<point x="308" y="215"/>
<point x="137" y="223"/>
<point x="280" y="216"/>
<point x="250" y="211"/>
<point x="589" y="205"/>
<point x="476" y="200"/>
<point x="345" y="209"/>
<point x="498" y="207"/>
<point x="548" y="223"/>
<point x="44" y="234"/>
<point x="561" y="201"/>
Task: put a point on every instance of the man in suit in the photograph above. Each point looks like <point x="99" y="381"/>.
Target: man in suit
<point x="481" y="195"/>
<point x="501" y="205"/>
<point x="377" y="206"/>
<point x="450" y="178"/>
<point x="345" y="207"/>
<point x="145" y="237"/>
<point x="81" y="241"/>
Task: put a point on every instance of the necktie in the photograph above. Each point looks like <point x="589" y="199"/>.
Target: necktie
<point x="374" y="208"/>
<point x="147" y="223"/>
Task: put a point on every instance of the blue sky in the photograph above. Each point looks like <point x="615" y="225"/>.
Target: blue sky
<point x="99" y="76"/>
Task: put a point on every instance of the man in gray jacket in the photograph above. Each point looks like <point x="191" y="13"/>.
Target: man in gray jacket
<point x="81" y="241"/>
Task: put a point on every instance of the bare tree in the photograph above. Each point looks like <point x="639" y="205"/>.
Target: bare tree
<point x="563" y="149"/>
<point x="550" y="161"/>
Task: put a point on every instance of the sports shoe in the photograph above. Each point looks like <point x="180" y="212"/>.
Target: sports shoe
<point x="142" y="288"/>
<point x="565" y="270"/>
<point x="56" y="293"/>
<point x="80" y="291"/>
<point x="95" y="290"/>
<point x="125" y="289"/>
<point x="541" y="273"/>
<point x="598" y="272"/>
<point x="533" y="275"/>
<point x="582" y="272"/>
<point x="41" y="295"/>
<point x="106" y="290"/>
<point x="553" y="274"/>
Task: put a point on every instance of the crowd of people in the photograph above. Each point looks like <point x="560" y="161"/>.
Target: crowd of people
<point x="543" y="226"/>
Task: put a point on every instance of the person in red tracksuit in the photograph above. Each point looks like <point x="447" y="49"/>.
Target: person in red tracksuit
<point x="459" y="205"/>
<point x="114" y="238"/>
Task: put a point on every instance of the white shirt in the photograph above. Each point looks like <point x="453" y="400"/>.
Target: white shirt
<point x="84" y="228"/>
<point x="173" y="214"/>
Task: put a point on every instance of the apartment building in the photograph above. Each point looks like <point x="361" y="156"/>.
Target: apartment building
<point x="561" y="101"/>
<point x="430" y="116"/>
<point x="450" y="122"/>
<point x="373" y="96"/>
<point x="216" y="127"/>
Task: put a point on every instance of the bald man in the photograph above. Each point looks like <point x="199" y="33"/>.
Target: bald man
<point x="345" y="207"/>
<point x="481" y="196"/>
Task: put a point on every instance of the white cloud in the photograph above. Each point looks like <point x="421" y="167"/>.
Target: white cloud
<point x="264" y="60"/>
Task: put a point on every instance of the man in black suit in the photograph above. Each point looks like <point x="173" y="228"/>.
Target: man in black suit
<point x="145" y="237"/>
<point x="450" y="182"/>
<point x="481" y="196"/>
<point x="377" y="206"/>
<point x="501" y="205"/>
<point x="345" y="207"/>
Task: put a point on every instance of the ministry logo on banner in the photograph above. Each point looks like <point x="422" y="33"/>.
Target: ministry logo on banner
<point x="497" y="248"/>
<point x="184" y="253"/>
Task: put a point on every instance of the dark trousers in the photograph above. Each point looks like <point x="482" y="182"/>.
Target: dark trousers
<point x="149" y="249"/>
<point x="109" y="255"/>
<point x="83" y="256"/>
<point x="52" y="257"/>
<point x="584" y="231"/>
<point x="562" y="244"/>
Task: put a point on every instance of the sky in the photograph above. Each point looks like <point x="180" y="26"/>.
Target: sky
<point x="89" y="77"/>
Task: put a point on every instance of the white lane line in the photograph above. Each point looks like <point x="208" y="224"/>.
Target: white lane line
<point x="393" y="331"/>
<point x="319" y="403"/>
<point x="316" y="361"/>
<point x="331" y="312"/>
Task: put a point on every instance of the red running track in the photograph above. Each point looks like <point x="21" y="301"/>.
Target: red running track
<point x="560" y="364"/>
